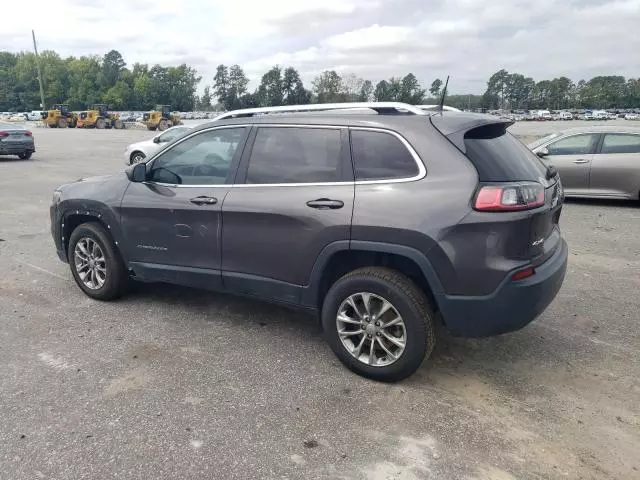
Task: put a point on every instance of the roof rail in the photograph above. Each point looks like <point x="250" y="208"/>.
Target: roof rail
<point x="379" y="107"/>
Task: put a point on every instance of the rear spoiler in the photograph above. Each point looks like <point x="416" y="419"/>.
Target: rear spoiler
<point x="455" y="126"/>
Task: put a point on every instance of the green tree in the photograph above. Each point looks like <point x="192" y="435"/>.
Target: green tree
<point x="410" y="91"/>
<point x="382" y="92"/>
<point x="496" y="86"/>
<point x="205" y="100"/>
<point x="221" y="84"/>
<point x="293" y="89"/>
<point x="112" y="66"/>
<point x="328" y="87"/>
<point x="271" y="89"/>
<point x="435" y="87"/>
<point x="366" y="91"/>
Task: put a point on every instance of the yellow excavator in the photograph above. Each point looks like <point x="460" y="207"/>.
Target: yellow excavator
<point x="161" y="118"/>
<point x="59" y="117"/>
<point x="98" y="117"/>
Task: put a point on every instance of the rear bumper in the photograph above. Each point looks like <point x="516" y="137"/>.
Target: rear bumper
<point x="512" y="306"/>
<point x="9" y="149"/>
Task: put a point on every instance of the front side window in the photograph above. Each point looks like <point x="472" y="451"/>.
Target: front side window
<point x="203" y="159"/>
<point x="295" y="155"/>
<point x="380" y="156"/>
<point x="575" y="145"/>
<point x="621" y="143"/>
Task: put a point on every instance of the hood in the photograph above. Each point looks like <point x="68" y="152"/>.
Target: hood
<point x="97" y="178"/>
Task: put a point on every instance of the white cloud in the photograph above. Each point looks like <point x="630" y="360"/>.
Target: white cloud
<point x="467" y="39"/>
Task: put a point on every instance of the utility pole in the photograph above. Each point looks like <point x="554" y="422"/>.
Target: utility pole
<point x="35" y="48"/>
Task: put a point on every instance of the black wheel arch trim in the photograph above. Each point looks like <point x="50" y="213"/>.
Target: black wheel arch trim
<point x="309" y="296"/>
<point x="103" y="215"/>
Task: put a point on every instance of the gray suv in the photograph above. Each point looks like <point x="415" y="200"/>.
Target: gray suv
<point x="383" y="220"/>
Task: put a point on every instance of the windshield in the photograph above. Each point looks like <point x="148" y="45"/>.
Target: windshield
<point x="542" y="140"/>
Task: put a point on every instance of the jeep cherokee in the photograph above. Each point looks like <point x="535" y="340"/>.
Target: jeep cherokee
<point x="384" y="221"/>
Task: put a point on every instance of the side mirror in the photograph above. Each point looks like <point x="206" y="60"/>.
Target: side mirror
<point x="137" y="172"/>
<point x="543" y="152"/>
<point x="156" y="139"/>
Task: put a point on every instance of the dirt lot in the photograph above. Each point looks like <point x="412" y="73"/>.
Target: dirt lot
<point x="170" y="383"/>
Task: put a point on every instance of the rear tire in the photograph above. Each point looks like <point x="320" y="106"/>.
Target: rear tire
<point x="101" y="124"/>
<point x="62" y="123"/>
<point x="163" y="125"/>
<point x="118" y="125"/>
<point x="25" y="155"/>
<point x="407" y="301"/>
<point x="95" y="262"/>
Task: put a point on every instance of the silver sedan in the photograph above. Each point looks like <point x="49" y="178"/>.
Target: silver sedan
<point x="598" y="161"/>
<point x="139" y="151"/>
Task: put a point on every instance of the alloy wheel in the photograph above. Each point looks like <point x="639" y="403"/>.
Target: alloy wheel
<point x="371" y="329"/>
<point x="90" y="263"/>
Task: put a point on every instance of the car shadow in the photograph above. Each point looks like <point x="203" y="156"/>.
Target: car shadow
<point x="506" y="361"/>
<point x="13" y="159"/>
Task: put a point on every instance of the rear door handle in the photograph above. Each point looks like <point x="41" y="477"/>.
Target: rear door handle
<point x="581" y="160"/>
<point x="325" y="204"/>
<point x="204" y="200"/>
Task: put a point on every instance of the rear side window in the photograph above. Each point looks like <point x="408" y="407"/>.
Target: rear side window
<point x="295" y="155"/>
<point x="621" y="143"/>
<point x="574" y="145"/>
<point x="500" y="157"/>
<point x="380" y="156"/>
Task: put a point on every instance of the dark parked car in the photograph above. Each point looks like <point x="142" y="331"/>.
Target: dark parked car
<point x="384" y="223"/>
<point x="16" y="140"/>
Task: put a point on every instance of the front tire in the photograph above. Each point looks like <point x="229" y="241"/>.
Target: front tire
<point x="95" y="262"/>
<point x="136" y="157"/>
<point x="25" y="155"/>
<point x="378" y="323"/>
<point x="62" y="123"/>
<point x="163" y="125"/>
<point x="101" y="124"/>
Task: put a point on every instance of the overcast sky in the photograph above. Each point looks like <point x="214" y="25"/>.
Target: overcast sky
<point x="375" y="39"/>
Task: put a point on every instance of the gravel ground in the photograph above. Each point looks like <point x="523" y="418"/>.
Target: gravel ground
<point x="172" y="383"/>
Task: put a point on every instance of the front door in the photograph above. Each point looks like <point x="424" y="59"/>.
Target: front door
<point x="172" y="221"/>
<point x="572" y="158"/>
<point x="294" y="196"/>
<point x="615" y="169"/>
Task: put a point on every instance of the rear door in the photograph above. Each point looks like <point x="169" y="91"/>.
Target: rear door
<point x="615" y="169"/>
<point x="293" y="197"/>
<point x="572" y="157"/>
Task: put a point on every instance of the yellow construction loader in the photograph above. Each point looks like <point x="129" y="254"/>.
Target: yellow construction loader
<point x="59" y="117"/>
<point x="98" y="117"/>
<point x="161" y="118"/>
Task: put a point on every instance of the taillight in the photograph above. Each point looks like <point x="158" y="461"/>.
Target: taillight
<point x="28" y="133"/>
<point x="4" y="134"/>
<point x="509" y="197"/>
<point x="522" y="274"/>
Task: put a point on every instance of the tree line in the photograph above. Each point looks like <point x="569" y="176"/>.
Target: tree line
<point x="82" y="81"/>
<point x="515" y="91"/>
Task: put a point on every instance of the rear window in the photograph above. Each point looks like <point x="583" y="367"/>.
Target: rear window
<point x="380" y="156"/>
<point x="500" y="157"/>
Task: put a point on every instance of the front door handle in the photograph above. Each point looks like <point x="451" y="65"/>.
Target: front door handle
<point x="581" y="160"/>
<point x="325" y="204"/>
<point x="204" y="200"/>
